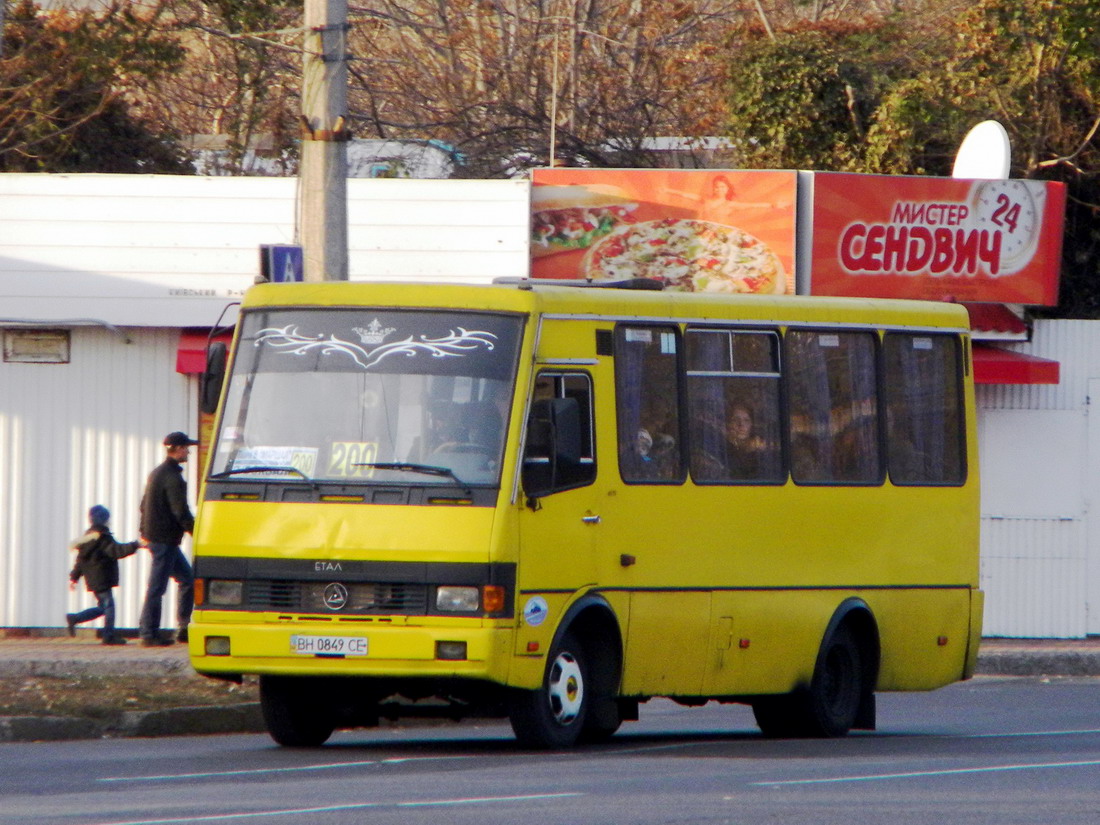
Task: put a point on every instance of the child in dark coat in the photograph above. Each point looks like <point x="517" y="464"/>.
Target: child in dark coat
<point x="97" y="555"/>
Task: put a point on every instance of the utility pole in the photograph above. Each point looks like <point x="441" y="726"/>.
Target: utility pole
<point x="323" y="216"/>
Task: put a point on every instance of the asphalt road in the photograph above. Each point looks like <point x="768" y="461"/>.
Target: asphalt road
<point x="994" y="750"/>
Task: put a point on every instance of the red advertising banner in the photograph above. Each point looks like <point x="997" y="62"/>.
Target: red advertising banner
<point x="937" y="238"/>
<point x="694" y="230"/>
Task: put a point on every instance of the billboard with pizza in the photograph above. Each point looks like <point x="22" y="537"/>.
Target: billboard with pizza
<point x="693" y="230"/>
<point x="936" y="238"/>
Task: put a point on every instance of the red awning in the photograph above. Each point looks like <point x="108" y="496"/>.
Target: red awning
<point x="993" y="365"/>
<point x="995" y="318"/>
<point x="191" y="353"/>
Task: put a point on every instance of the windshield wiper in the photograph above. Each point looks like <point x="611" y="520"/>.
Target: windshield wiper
<point x="265" y="469"/>
<point x="426" y="469"/>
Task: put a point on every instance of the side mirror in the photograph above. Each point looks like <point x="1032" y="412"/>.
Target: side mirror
<point x="553" y="444"/>
<point x="213" y="377"/>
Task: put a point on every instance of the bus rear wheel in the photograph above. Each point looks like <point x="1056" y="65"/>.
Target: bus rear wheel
<point x="828" y="708"/>
<point x="554" y="715"/>
<point x="294" y="717"/>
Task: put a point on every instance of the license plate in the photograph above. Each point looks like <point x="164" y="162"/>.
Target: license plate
<point x="328" y="645"/>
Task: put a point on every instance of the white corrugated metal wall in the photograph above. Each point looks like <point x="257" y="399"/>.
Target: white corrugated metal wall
<point x="1040" y="502"/>
<point x="461" y="230"/>
<point x="77" y="434"/>
<point x="96" y="424"/>
<point x="151" y="253"/>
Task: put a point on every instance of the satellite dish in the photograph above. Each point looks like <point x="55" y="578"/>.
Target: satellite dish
<point x="985" y="153"/>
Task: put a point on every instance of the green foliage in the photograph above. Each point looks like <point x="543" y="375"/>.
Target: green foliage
<point x="899" y="98"/>
<point x="804" y="99"/>
<point x="249" y="15"/>
<point x="61" y="111"/>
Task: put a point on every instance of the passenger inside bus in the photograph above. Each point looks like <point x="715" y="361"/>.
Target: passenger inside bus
<point x="653" y="459"/>
<point x="743" y="448"/>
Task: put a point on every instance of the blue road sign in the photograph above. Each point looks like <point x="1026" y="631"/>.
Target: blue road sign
<point x="281" y="263"/>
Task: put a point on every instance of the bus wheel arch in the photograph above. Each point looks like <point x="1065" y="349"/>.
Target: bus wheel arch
<point x="840" y="695"/>
<point x="577" y="700"/>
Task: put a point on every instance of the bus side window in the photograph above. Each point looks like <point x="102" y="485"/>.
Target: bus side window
<point x="647" y="404"/>
<point x="733" y="406"/>
<point x="924" y="409"/>
<point x="559" y="451"/>
<point x="833" y="407"/>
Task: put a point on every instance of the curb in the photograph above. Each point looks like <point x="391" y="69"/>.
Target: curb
<point x="192" y="721"/>
<point x="243" y="718"/>
<point x="1010" y="662"/>
<point x="47" y="728"/>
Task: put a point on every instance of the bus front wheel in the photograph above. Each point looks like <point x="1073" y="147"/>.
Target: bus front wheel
<point x="828" y="708"/>
<point x="294" y="717"/>
<point x="554" y="715"/>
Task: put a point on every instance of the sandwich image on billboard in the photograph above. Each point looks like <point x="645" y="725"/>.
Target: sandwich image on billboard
<point x="570" y="218"/>
<point x="690" y="230"/>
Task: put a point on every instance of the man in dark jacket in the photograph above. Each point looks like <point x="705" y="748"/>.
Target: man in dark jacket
<point x="165" y="517"/>
<point x="97" y="555"/>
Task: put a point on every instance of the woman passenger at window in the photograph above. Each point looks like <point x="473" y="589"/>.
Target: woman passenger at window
<point x="743" y="447"/>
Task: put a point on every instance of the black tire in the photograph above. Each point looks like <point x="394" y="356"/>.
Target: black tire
<point x="596" y="732"/>
<point x="828" y="708"/>
<point x="778" y="716"/>
<point x="837" y="686"/>
<point x="295" y="718"/>
<point x="554" y="715"/>
<point x="603" y="720"/>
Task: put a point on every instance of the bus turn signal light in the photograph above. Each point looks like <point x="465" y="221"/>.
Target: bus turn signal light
<point x="492" y="598"/>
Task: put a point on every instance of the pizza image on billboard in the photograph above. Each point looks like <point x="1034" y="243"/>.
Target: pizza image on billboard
<point x="686" y="255"/>
<point x="692" y="230"/>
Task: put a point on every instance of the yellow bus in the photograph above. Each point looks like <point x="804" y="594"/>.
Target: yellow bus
<point x="556" y="502"/>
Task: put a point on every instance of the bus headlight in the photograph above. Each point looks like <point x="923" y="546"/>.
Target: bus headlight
<point x="455" y="599"/>
<point x="224" y="592"/>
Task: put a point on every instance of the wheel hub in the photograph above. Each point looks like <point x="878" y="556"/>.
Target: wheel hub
<point x="565" y="688"/>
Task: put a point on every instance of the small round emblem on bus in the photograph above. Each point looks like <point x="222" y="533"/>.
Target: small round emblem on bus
<point x="336" y="596"/>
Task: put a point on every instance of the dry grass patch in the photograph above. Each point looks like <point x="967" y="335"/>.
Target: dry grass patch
<point x="104" y="697"/>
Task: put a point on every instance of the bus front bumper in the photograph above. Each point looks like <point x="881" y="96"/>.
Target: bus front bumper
<point x="463" y="648"/>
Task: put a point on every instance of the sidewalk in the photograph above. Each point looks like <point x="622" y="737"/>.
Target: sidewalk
<point x="59" y="655"/>
<point x="1040" y="657"/>
<point x="48" y="655"/>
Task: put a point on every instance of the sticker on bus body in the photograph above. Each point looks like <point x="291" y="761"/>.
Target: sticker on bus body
<point x="535" y="611"/>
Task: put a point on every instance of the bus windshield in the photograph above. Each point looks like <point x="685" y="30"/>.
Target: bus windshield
<point x="368" y="396"/>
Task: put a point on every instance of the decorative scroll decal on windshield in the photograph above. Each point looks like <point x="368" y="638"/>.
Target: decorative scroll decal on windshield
<point x="454" y="344"/>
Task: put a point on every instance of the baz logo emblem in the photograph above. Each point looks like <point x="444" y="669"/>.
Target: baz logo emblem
<point x="336" y="596"/>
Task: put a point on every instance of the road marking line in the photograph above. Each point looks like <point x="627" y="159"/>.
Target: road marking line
<point x="916" y="774"/>
<point x="477" y="800"/>
<point x="1025" y="733"/>
<point x="322" y="767"/>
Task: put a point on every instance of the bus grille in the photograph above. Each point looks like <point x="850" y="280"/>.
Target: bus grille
<point x="363" y="597"/>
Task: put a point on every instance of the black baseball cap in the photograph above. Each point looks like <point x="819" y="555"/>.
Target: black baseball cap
<point x="178" y="439"/>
